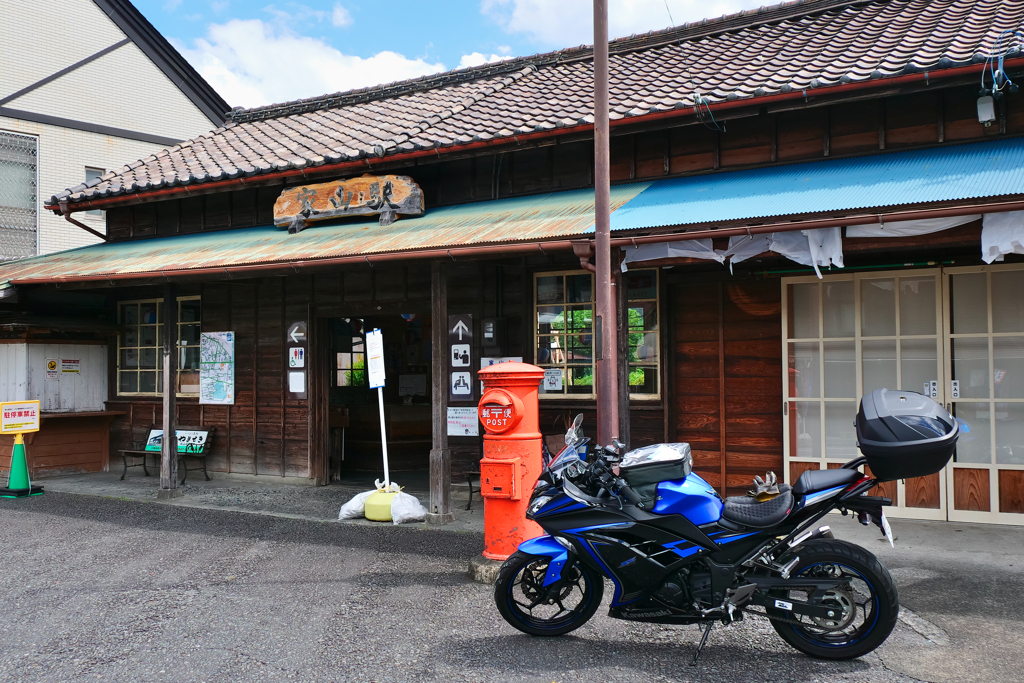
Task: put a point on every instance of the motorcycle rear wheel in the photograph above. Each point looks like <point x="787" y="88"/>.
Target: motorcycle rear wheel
<point x="527" y="605"/>
<point x="866" y="607"/>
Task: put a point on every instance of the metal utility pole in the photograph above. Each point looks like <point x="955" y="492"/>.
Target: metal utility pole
<point x="606" y="351"/>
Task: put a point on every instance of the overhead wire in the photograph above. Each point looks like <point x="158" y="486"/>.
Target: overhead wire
<point x="699" y="101"/>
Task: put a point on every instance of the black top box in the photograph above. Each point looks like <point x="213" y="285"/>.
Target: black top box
<point x="904" y="434"/>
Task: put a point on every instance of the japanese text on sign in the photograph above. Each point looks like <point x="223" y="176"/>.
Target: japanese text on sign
<point x="375" y="358"/>
<point x="496" y="416"/>
<point x="18" y="417"/>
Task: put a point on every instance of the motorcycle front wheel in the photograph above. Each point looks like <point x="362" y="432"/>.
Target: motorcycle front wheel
<point x="525" y="603"/>
<point x="866" y="604"/>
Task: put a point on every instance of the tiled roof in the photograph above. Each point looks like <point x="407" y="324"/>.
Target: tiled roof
<point x="794" y="46"/>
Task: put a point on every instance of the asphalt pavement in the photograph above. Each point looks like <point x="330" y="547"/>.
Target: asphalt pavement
<point x="97" y="588"/>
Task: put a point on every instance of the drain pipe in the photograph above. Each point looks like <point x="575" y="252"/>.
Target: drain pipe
<point x="67" y="216"/>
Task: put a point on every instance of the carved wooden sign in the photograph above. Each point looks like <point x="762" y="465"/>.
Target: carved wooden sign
<point x="386" y="195"/>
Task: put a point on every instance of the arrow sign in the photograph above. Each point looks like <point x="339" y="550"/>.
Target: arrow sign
<point x="460" y="357"/>
<point x="297" y="333"/>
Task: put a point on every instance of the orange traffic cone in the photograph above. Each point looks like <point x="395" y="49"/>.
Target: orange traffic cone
<point x="18" y="483"/>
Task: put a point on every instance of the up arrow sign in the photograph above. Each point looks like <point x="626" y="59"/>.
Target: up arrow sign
<point x="460" y="327"/>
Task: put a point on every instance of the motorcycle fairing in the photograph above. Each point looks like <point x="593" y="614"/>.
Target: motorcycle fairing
<point x="691" y="497"/>
<point x="546" y="546"/>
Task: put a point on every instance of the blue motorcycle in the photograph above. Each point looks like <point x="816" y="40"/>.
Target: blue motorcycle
<point x="676" y="553"/>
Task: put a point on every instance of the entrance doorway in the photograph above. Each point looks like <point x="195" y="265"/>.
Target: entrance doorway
<point x="954" y="334"/>
<point x="354" y="447"/>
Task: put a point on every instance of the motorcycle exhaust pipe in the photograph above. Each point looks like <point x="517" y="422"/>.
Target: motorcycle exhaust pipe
<point x="821" y="532"/>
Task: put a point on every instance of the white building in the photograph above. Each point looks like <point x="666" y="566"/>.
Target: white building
<point x="84" y="85"/>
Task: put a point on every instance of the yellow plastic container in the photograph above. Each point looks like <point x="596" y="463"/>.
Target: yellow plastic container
<point x="378" y="506"/>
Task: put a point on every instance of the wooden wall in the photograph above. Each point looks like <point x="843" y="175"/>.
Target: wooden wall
<point x="759" y="138"/>
<point x="726" y="372"/>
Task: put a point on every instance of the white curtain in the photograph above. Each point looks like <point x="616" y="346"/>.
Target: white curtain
<point x="1001" y="234"/>
<point x="909" y="228"/>
<point x="662" y="250"/>
<point x="815" y="248"/>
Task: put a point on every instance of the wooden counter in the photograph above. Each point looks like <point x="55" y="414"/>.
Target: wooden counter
<point x="66" y="443"/>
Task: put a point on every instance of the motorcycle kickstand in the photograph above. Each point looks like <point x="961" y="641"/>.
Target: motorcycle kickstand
<point x="703" y="639"/>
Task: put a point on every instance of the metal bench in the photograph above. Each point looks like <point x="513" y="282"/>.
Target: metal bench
<point x="196" y="449"/>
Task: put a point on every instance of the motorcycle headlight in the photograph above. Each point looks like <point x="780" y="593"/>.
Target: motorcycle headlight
<point x="538" y="503"/>
<point x="564" y="543"/>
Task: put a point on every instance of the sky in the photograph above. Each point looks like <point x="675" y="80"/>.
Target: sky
<point x="255" y="53"/>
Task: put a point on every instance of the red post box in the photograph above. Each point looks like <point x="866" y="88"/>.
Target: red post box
<point x="512" y="458"/>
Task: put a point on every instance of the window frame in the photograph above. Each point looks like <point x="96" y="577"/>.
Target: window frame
<point x="37" y="141"/>
<point x="181" y="348"/>
<point x="537" y="336"/>
<point x="94" y="213"/>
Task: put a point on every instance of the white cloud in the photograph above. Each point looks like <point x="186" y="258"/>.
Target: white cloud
<point x="477" y="58"/>
<point x="340" y="16"/>
<point x="171" y="5"/>
<point x="566" y="23"/>
<point x="251" y="62"/>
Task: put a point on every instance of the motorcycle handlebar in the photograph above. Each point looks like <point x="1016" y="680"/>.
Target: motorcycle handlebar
<point x="629" y="494"/>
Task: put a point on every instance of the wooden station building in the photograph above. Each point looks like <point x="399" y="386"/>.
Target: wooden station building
<point x="748" y="152"/>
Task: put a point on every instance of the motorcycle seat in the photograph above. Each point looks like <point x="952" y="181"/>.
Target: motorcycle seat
<point x="748" y="512"/>
<point x="819" y="480"/>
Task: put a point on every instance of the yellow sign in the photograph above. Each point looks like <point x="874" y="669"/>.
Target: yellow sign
<point x="19" y="417"/>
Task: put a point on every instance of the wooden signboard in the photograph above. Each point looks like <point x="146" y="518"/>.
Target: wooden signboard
<point x="386" y="195"/>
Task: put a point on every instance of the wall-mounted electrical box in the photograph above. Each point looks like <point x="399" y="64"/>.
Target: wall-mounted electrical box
<point x="986" y="110"/>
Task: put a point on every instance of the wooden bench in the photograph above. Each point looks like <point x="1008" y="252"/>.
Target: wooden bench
<point x="195" y="446"/>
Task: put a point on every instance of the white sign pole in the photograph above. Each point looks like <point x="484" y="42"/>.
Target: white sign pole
<point x="375" y="367"/>
<point x="383" y="437"/>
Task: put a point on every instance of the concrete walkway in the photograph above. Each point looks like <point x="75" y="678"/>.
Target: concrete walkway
<point x="289" y="497"/>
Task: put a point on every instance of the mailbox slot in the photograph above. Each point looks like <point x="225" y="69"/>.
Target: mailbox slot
<point x="498" y="479"/>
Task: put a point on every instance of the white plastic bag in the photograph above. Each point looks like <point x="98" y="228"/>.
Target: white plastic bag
<point x="354" y="508"/>
<point x="406" y="508"/>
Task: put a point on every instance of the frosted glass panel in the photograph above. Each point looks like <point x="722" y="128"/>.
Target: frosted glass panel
<point x="878" y="307"/>
<point x="1008" y="373"/>
<point x="970" y="366"/>
<point x="879" y="362"/>
<point x="918" y="363"/>
<point x="1007" y="301"/>
<point x="840" y="435"/>
<point x="970" y="304"/>
<point x="840" y="370"/>
<point x="974" y="444"/>
<point x="917" y="305"/>
<point x="804" y="370"/>
<point x="839" y="313"/>
<point x="803" y="311"/>
<point x="805" y="429"/>
<point x="1010" y="433"/>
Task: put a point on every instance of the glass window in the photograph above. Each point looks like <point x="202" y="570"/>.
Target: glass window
<point x="350" y="352"/>
<point x="90" y="175"/>
<point x="564" y="333"/>
<point x="139" y="346"/>
<point x="18" y="195"/>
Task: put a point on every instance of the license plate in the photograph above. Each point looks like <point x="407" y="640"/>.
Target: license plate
<point x="887" y="530"/>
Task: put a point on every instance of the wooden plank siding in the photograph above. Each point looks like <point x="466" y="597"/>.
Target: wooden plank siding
<point x="811" y="132"/>
<point x="727" y="395"/>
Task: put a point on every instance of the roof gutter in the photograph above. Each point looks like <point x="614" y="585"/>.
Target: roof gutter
<point x="366" y="163"/>
<point x="67" y="216"/>
<point x="579" y="246"/>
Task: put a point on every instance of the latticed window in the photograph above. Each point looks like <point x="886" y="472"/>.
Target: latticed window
<point x="18" y="199"/>
<point x="139" y="347"/>
<point x="564" y="318"/>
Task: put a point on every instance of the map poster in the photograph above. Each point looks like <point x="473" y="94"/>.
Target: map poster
<point x="217" y="368"/>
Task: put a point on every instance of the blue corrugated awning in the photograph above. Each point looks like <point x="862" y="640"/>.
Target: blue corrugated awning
<point x="942" y="174"/>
